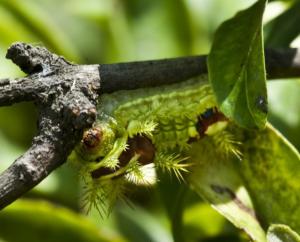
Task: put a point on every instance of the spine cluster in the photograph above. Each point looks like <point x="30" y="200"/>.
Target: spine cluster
<point x="138" y="131"/>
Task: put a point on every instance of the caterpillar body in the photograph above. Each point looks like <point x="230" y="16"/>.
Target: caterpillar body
<point x="139" y="130"/>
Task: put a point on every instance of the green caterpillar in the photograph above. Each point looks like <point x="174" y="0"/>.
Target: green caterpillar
<point x="140" y="130"/>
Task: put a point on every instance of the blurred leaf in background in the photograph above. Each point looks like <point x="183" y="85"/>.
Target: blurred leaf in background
<point x="33" y="221"/>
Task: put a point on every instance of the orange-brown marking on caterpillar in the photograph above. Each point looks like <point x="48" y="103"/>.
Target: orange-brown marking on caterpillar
<point x="143" y="146"/>
<point x="102" y="171"/>
<point x="209" y="117"/>
<point x="92" y="138"/>
<point x="138" y="144"/>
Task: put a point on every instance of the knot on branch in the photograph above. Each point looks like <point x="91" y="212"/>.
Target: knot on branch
<point x="33" y="59"/>
<point x="69" y="92"/>
<point x="79" y="110"/>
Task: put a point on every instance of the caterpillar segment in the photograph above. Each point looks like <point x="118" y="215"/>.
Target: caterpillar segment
<point x="142" y="130"/>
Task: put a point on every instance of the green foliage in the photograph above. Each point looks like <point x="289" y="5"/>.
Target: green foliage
<point x="282" y="233"/>
<point x="257" y="191"/>
<point x="34" y="222"/>
<point x="139" y="225"/>
<point x="262" y="192"/>
<point x="253" y="166"/>
<point x="224" y="190"/>
<point x="236" y="68"/>
<point x="269" y="172"/>
<point x="285" y="111"/>
<point x="281" y="31"/>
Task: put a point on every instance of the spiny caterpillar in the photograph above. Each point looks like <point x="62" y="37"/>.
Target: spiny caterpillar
<point x="139" y="130"/>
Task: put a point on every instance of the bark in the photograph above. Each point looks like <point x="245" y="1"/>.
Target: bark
<point x="66" y="95"/>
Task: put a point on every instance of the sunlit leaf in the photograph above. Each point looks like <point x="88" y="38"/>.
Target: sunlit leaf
<point x="236" y="68"/>
<point x="260" y="190"/>
<point x="270" y="169"/>
<point x="220" y="184"/>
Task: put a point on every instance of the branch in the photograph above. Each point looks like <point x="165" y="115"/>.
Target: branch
<point x="44" y="156"/>
<point x="280" y="63"/>
<point x="66" y="96"/>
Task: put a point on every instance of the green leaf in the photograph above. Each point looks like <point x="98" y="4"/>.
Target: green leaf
<point x="139" y="225"/>
<point x="35" y="221"/>
<point x="219" y="183"/>
<point x="36" y="19"/>
<point x="285" y="112"/>
<point x="198" y="220"/>
<point x="260" y="190"/>
<point x="270" y="169"/>
<point x="282" y="233"/>
<point x="236" y="68"/>
<point x="173" y="195"/>
<point x="282" y="30"/>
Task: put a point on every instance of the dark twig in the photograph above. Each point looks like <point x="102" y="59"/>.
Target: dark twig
<point x="66" y="97"/>
<point x="283" y="63"/>
<point x="132" y="75"/>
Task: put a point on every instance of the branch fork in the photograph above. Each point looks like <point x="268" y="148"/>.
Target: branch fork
<point x="66" y="95"/>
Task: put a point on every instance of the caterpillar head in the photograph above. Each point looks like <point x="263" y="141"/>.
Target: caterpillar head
<point x="109" y="150"/>
<point x="97" y="141"/>
<point x="111" y="156"/>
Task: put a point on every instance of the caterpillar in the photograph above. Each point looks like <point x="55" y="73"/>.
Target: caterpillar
<point x="141" y="130"/>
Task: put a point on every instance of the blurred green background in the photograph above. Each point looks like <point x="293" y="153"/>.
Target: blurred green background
<point x="108" y="31"/>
